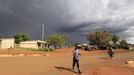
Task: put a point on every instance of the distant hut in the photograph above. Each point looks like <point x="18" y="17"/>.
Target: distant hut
<point x="35" y="44"/>
<point x="6" y="43"/>
<point x="131" y="46"/>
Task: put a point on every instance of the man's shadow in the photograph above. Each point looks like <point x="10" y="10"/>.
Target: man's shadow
<point x="63" y="68"/>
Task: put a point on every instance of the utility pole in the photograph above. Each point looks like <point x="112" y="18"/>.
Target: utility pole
<point x="42" y="32"/>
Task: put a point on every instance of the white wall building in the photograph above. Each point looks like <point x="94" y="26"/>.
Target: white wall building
<point x="36" y="44"/>
<point x="6" y="43"/>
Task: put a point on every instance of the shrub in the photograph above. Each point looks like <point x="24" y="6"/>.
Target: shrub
<point x="45" y="49"/>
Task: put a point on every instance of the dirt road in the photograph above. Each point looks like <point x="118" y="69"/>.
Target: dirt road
<point x="98" y="64"/>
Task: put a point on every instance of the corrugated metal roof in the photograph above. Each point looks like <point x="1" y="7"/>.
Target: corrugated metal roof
<point x="33" y="41"/>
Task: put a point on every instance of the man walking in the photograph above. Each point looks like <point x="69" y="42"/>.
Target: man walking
<point x="76" y="58"/>
<point x="110" y="52"/>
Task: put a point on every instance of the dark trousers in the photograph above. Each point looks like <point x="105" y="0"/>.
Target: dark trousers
<point x="110" y="53"/>
<point x="76" y="61"/>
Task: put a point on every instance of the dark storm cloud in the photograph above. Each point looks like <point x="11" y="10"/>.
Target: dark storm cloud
<point x="73" y="17"/>
<point x="29" y="15"/>
<point x="74" y="28"/>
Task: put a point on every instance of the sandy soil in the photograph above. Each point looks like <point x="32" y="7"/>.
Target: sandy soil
<point x="59" y="62"/>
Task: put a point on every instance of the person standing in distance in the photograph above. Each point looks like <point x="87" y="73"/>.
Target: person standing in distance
<point x="110" y="52"/>
<point x="76" y="58"/>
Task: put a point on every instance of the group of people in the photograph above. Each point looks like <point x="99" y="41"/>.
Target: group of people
<point x="76" y="56"/>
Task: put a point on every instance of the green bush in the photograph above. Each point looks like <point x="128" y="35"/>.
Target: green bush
<point x="124" y="44"/>
<point x="45" y="49"/>
<point x="51" y="49"/>
<point x="26" y="49"/>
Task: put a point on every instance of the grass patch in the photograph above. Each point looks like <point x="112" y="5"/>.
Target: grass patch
<point x="33" y="50"/>
<point x="27" y="49"/>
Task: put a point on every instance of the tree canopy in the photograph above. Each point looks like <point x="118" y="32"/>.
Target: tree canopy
<point x="21" y="36"/>
<point x="104" y="39"/>
<point x="99" y="38"/>
<point x="1" y="36"/>
<point x="57" y="39"/>
<point x="124" y="44"/>
<point x="115" y="39"/>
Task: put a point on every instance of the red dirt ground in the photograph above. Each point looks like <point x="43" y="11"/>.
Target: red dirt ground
<point x="111" y="70"/>
<point x="58" y="52"/>
<point x="59" y="63"/>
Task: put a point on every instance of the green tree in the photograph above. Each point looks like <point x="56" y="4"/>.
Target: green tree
<point x="124" y="44"/>
<point x="0" y="36"/>
<point x="99" y="38"/>
<point x="21" y="36"/>
<point x="115" y="40"/>
<point x="57" y="40"/>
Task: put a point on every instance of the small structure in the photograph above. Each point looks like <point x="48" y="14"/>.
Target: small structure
<point x="131" y="46"/>
<point x="35" y="44"/>
<point x="6" y="43"/>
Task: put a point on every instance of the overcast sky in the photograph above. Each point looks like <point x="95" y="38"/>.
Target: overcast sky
<point x="72" y="17"/>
